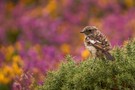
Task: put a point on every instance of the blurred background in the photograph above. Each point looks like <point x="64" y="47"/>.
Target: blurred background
<point x="35" y="35"/>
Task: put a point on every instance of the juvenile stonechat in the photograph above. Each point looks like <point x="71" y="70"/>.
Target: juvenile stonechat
<point x="96" y="43"/>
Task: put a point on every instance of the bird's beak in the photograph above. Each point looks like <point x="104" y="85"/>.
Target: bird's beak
<point x="82" y="32"/>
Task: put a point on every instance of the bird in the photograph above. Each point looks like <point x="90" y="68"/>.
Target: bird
<point x="97" y="43"/>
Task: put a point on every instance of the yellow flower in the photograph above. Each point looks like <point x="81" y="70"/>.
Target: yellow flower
<point x="6" y="74"/>
<point x="9" y="71"/>
<point x="85" y="54"/>
<point x="16" y="69"/>
<point x="9" y="52"/>
<point x="51" y="8"/>
<point x="129" y="3"/>
<point x="1" y="77"/>
<point x="65" y="48"/>
<point x="17" y="59"/>
<point x="9" y="6"/>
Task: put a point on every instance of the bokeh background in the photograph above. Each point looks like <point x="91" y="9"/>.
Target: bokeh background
<point x="35" y="35"/>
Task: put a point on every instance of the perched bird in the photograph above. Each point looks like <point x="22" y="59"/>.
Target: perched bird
<point x="96" y="43"/>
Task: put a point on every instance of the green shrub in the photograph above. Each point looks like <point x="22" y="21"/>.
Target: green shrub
<point x="95" y="74"/>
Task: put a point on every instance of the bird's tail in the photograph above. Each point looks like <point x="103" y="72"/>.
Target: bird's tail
<point x="106" y="53"/>
<point x="109" y="56"/>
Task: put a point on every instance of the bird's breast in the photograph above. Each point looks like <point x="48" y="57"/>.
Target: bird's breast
<point x="90" y="48"/>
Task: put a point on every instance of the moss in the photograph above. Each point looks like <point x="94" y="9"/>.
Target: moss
<point x="95" y="74"/>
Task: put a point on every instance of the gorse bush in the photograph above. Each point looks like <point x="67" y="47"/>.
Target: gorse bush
<point x="95" y="74"/>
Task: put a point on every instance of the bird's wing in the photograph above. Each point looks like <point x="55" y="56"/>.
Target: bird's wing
<point x="99" y="47"/>
<point x="101" y="39"/>
<point x="96" y="44"/>
<point x="92" y="41"/>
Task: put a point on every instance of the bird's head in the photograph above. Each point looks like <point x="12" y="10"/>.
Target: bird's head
<point x="89" y="30"/>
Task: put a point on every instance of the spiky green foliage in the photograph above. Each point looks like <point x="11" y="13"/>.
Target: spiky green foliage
<point x="96" y="74"/>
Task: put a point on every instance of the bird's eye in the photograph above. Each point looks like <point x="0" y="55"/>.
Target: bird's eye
<point x="90" y="31"/>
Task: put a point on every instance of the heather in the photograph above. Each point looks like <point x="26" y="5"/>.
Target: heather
<point x="36" y="35"/>
<point x="95" y="74"/>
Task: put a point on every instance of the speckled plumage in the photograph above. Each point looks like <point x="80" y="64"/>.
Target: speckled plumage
<point x="96" y="42"/>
